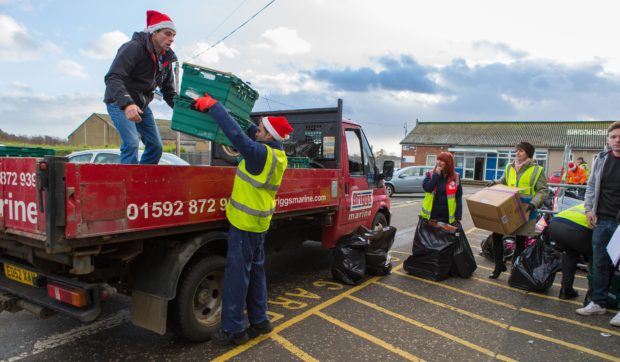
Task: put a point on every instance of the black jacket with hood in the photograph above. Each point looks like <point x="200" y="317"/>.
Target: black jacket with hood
<point x="135" y="73"/>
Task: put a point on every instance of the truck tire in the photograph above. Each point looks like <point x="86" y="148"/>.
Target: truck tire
<point x="196" y="310"/>
<point x="227" y="153"/>
<point x="379" y="222"/>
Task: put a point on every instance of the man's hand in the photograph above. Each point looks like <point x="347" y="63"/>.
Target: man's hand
<point x="490" y="184"/>
<point x="530" y="207"/>
<point x="591" y="219"/>
<point x="133" y="112"/>
<point x="203" y="104"/>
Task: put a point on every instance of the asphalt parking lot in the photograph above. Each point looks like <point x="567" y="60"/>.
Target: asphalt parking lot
<point x="388" y="318"/>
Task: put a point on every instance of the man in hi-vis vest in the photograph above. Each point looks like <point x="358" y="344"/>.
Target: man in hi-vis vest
<point x="249" y="211"/>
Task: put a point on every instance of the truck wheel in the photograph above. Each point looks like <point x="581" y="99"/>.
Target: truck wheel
<point x="227" y="153"/>
<point x="197" y="308"/>
<point x="379" y="222"/>
<point x="389" y="190"/>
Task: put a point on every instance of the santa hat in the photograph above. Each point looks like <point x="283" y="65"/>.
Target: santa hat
<point x="571" y="165"/>
<point x="157" y="21"/>
<point x="278" y="127"/>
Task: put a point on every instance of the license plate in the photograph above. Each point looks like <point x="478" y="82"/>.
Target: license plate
<point x="19" y="274"/>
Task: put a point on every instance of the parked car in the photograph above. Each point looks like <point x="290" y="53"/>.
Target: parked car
<point x="555" y="178"/>
<point x="407" y="179"/>
<point x="114" y="156"/>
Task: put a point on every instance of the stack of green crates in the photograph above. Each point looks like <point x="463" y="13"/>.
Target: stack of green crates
<point x="16" y="151"/>
<point x="298" y="162"/>
<point x="232" y="92"/>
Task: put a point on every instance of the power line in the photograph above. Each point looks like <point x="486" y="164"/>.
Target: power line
<point x="224" y="21"/>
<point x="232" y="32"/>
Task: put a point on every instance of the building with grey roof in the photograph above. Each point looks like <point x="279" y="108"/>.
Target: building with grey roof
<point x="482" y="149"/>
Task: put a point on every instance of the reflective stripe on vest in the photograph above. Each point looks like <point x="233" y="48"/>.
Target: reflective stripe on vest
<point x="527" y="179"/>
<point x="429" y="198"/>
<point x="253" y="202"/>
<point x="576" y="214"/>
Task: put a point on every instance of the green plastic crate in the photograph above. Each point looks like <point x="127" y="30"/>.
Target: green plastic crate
<point x="232" y="92"/>
<point x="16" y="151"/>
<point x="298" y="162"/>
<point x="200" y="124"/>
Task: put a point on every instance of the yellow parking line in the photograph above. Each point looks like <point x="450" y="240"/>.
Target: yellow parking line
<point x="296" y="351"/>
<point x="506" y="326"/>
<point x="358" y="332"/>
<point x="298" y="318"/>
<point x="432" y="329"/>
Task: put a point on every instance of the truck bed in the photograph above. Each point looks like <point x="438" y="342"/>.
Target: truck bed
<point x="85" y="201"/>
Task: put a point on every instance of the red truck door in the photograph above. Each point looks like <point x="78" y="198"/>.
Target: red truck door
<point x="360" y="185"/>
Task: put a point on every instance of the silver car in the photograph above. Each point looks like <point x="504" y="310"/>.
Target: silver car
<point x="114" y="156"/>
<point x="407" y="179"/>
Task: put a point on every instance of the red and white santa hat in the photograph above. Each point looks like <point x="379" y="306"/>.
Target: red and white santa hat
<point x="157" y="21"/>
<point x="571" y="165"/>
<point x="278" y="127"/>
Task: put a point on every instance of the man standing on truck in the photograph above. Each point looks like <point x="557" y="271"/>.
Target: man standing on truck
<point x="141" y="71"/>
<point x="249" y="211"/>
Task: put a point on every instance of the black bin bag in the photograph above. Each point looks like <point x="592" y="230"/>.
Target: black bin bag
<point x="349" y="260"/>
<point x="432" y="251"/>
<point x="535" y="269"/>
<point x="463" y="261"/>
<point x="377" y="257"/>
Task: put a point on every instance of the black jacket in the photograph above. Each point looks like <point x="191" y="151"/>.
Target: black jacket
<point x="135" y="73"/>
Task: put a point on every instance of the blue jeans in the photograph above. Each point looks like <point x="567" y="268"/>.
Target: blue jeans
<point x="129" y="130"/>
<point x="244" y="280"/>
<point x="601" y="263"/>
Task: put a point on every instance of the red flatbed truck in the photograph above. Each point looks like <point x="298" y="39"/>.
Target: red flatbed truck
<point x="72" y="235"/>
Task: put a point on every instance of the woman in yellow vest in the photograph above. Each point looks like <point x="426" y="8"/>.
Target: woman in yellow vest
<point x="523" y="172"/>
<point x="443" y="197"/>
<point x="249" y="211"/>
<point x="573" y="236"/>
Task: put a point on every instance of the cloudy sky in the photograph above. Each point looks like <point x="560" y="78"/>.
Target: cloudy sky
<point x="392" y="62"/>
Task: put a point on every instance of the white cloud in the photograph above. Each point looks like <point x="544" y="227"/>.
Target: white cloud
<point x="19" y="87"/>
<point x="71" y="69"/>
<point x="106" y="46"/>
<point x="17" y="45"/>
<point x="201" y="53"/>
<point x="284" y="41"/>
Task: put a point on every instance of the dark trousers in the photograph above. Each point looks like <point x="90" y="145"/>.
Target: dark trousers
<point x="498" y="248"/>
<point x="573" y="242"/>
<point x="244" y="280"/>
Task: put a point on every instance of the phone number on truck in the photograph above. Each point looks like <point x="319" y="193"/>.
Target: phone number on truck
<point x="159" y="209"/>
<point x="9" y="178"/>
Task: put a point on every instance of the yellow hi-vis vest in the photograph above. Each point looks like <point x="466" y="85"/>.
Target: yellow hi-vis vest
<point x="429" y="198"/>
<point x="586" y="168"/>
<point x="576" y="214"/>
<point x="253" y="199"/>
<point x="527" y="180"/>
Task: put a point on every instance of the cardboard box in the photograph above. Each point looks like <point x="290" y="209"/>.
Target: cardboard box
<point x="498" y="209"/>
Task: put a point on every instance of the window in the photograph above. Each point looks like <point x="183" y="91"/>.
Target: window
<point x="83" y="158"/>
<point x="107" y="158"/>
<point x="354" y="148"/>
<point x="431" y="160"/>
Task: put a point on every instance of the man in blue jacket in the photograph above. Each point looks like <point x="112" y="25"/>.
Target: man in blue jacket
<point x="141" y="70"/>
<point x="602" y="203"/>
<point x="249" y="211"/>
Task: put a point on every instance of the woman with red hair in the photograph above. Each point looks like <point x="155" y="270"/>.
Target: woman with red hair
<point x="443" y="200"/>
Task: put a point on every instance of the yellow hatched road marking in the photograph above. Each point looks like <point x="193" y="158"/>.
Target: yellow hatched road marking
<point x="506" y="326"/>
<point x="358" y="332"/>
<point x="433" y="330"/>
<point x="296" y="351"/>
<point x="298" y="318"/>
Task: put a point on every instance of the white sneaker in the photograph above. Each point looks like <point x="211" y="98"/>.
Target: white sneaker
<point x="592" y="309"/>
<point x="615" y="321"/>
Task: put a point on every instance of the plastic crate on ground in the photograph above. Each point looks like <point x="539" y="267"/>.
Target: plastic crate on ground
<point x="232" y="92"/>
<point x="200" y="124"/>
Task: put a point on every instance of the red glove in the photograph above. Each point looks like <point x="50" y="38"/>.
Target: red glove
<point x="203" y="104"/>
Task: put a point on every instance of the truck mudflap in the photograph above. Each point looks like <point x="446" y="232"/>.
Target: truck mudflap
<point x="33" y="290"/>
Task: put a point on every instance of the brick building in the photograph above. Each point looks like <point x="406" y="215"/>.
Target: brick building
<point x="482" y="149"/>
